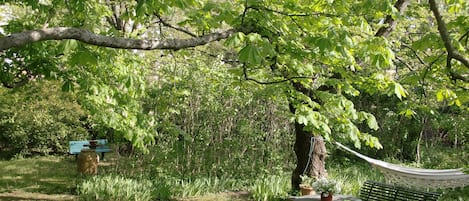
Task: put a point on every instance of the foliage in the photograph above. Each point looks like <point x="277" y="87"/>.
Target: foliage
<point x="319" y="64"/>
<point x="114" y="187"/>
<point x="307" y="181"/>
<point x="204" y="112"/>
<point x="271" y="187"/>
<point x="320" y="54"/>
<point x="39" y="119"/>
<point x="327" y="186"/>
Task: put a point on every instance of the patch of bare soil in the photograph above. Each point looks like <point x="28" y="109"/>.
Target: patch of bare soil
<point x="223" y="196"/>
<point x="26" y="196"/>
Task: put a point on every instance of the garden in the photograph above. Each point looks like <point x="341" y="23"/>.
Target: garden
<point x="232" y="100"/>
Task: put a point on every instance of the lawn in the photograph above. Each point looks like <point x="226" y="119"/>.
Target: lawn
<point x="55" y="178"/>
<point x="49" y="178"/>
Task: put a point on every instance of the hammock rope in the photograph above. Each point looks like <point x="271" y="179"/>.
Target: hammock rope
<point x="416" y="177"/>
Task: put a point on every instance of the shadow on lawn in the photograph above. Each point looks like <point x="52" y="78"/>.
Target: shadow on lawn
<point x="19" y="195"/>
<point x="47" y="175"/>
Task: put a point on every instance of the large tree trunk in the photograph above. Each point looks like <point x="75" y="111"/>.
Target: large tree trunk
<point x="311" y="165"/>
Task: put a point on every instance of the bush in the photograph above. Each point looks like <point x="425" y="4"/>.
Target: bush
<point x="39" y="119"/>
<point x="116" y="188"/>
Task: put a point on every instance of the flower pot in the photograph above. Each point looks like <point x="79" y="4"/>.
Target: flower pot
<point x="306" y="190"/>
<point x="326" y="196"/>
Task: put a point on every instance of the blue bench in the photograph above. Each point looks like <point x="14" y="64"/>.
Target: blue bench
<point x="75" y="147"/>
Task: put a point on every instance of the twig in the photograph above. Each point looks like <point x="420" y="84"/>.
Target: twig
<point x="166" y="24"/>
<point x="258" y="8"/>
<point x="271" y="82"/>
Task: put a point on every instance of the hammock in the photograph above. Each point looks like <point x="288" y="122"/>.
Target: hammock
<point x="416" y="177"/>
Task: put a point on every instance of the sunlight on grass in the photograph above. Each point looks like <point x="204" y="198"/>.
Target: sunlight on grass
<point x="50" y="175"/>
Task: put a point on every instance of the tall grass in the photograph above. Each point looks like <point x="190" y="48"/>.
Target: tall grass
<point x="272" y="187"/>
<point x="351" y="175"/>
<point x="202" y="186"/>
<point x="117" y="188"/>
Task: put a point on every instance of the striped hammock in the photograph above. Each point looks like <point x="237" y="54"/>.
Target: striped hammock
<point x="416" y="177"/>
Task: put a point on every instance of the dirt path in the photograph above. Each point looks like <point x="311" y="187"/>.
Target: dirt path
<point x="25" y="196"/>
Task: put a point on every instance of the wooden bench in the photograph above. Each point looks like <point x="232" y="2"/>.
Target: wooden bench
<point x="374" y="191"/>
<point x="75" y="147"/>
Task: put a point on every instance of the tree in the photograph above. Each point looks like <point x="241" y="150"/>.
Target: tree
<point x="322" y="53"/>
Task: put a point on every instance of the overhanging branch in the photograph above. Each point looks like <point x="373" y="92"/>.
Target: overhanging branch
<point x="86" y="36"/>
<point x="452" y="52"/>
<point x="174" y="27"/>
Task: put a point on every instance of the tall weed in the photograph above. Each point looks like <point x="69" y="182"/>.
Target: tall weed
<point x="116" y="188"/>
<point x="203" y="186"/>
<point x="270" y="188"/>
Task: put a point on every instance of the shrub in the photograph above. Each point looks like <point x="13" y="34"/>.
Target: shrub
<point x="39" y="119"/>
<point x="117" y="188"/>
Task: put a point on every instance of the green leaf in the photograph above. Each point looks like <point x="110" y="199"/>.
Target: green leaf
<point x="439" y="96"/>
<point x="324" y="44"/>
<point x="399" y="91"/>
<point x="236" y="40"/>
<point x="371" y="121"/>
<point x="250" y="54"/>
<point x="130" y="82"/>
<point x="67" y="86"/>
<point x="408" y="113"/>
<point x="69" y="46"/>
<point x="84" y="57"/>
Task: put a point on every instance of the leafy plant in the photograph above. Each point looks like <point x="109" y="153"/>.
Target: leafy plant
<point x="307" y="181"/>
<point x="116" y="188"/>
<point x="327" y="186"/>
<point x="270" y="188"/>
<point x="39" y="120"/>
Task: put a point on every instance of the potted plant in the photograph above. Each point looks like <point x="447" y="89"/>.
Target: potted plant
<point x="306" y="186"/>
<point x="93" y="144"/>
<point x="327" y="188"/>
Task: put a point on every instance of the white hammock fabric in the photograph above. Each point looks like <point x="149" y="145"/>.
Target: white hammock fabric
<point x="416" y="177"/>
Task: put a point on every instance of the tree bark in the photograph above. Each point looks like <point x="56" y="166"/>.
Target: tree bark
<point x="86" y="36"/>
<point x="384" y="31"/>
<point x="309" y="162"/>
<point x="452" y="52"/>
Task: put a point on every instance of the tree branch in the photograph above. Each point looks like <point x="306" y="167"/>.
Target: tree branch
<point x="415" y="53"/>
<point x="86" y="36"/>
<point x="384" y="31"/>
<point x="452" y="52"/>
<point x="166" y="24"/>
<point x="258" y="8"/>
<point x="270" y="82"/>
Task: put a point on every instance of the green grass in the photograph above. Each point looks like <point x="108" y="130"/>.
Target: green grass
<point x="48" y="175"/>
